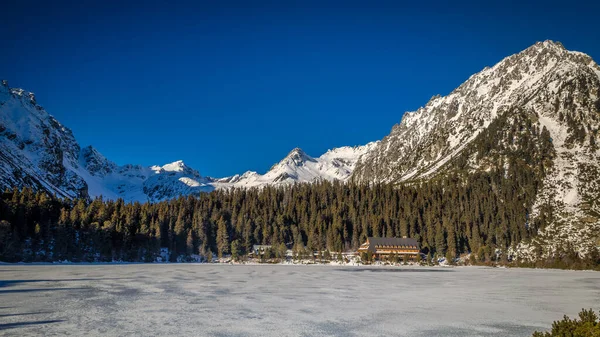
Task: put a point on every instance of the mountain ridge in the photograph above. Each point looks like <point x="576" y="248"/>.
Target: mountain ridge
<point x="474" y="94"/>
<point x="551" y="88"/>
<point x="38" y="151"/>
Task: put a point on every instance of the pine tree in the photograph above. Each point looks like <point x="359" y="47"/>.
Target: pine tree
<point x="235" y="250"/>
<point x="429" y="258"/>
<point x="440" y="240"/>
<point x="450" y="257"/>
<point x="190" y="243"/>
<point x="222" y="237"/>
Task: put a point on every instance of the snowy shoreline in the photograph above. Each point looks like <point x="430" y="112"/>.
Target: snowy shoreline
<point x="288" y="264"/>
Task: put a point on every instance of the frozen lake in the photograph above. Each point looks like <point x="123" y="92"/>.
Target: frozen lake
<point x="280" y="300"/>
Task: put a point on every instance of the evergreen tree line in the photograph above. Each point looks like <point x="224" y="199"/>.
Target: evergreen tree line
<point x="448" y="216"/>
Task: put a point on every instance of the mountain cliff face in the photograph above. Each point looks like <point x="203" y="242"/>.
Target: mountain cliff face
<point x="37" y="151"/>
<point x="427" y="138"/>
<point x="547" y="86"/>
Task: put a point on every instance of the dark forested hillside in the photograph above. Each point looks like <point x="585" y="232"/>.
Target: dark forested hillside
<point x="449" y="216"/>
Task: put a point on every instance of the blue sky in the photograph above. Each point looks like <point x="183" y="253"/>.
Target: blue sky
<point x="231" y="86"/>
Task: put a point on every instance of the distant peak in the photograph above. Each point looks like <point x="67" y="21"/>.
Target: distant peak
<point x="296" y="152"/>
<point x="176" y="166"/>
<point x="249" y="174"/>
<point x="298" y="156"/>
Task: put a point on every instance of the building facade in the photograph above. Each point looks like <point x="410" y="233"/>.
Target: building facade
<point x="382" y="248"/>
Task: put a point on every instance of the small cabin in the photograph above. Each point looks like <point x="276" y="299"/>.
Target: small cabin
<point x="384" y="247"/>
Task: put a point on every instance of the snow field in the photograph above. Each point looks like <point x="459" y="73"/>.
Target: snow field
<point x="287" y="300"/>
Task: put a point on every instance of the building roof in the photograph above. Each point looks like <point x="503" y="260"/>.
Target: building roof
<point x="374" y="242"/>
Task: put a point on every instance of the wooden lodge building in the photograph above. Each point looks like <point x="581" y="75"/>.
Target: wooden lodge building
<point x="384" y="247"/>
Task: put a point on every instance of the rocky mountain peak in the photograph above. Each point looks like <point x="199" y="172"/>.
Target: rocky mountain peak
<point x="297" y="152"/>
<point x="176" y="166"/>
<point x="547" y="44"/>
<point x="296" y="157"/>
<point x="95" y="162"/>
<point x="425" y="139"/>
<point x="27" y="95"/>
<point x="36" y="147"/>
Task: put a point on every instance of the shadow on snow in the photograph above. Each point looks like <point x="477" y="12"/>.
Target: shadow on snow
<point x="6" y="326"/>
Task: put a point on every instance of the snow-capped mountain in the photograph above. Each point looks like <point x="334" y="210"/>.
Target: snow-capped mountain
<point x="425" y="139"/>
<point x="37" y="151"/>
<point x="297" y="166"/>
<point x="546" y="86"/>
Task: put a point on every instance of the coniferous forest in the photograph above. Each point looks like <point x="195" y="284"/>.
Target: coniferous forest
<point x="484" y="214"/>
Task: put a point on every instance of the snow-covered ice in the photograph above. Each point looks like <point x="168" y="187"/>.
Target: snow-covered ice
<point x="287" y="300"/>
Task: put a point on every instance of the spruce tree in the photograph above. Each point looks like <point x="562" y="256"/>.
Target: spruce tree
<point x="222" y="237"/>
<point x="235" y="250"/>
<point x="190" y="243"/>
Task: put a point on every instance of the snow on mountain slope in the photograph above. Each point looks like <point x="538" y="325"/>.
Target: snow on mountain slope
<point x="35" y="147"/>
<point x="427" y="138"/>
<point x="297" y="166"/>
<point x="37" y="151"/>
<point x="156" y="183"/>
<point x="559" y="90"/>
<point x="568" y="105"/>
